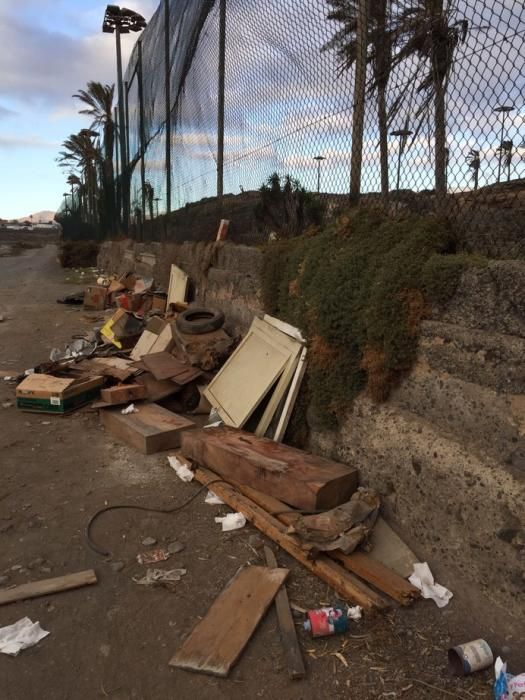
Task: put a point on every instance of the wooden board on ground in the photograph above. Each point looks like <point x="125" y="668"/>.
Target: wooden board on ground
<point x="164" y="340"/>
<point x="163" y="365"/>
<point x="47" y="586"/>
<point x="250" y="372"/>
<point x="292" y="650"/>
<point x="217" y="641"/>
<point x="123" y="393"/>
<point x="178" y="288"/>
<point x="389" y="549"/>
<point x="151" y="429"/>
<point x="298" y="478"/>
<point x="116" y="367"/>
<point x="345" y="584"/>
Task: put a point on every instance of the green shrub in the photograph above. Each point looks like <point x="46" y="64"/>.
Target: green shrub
<point x="441" y="274"/>
<point x="358" y="290"/>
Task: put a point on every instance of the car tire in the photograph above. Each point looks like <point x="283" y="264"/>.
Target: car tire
<point x="199" y="320"/>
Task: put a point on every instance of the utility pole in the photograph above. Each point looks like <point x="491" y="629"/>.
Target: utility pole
<point x="220" y="103"/>
<point x="358" y="112"/>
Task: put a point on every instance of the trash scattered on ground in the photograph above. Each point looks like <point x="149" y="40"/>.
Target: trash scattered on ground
<point x="153" y="556"/>
<point x="325" y="622"/>
<point x="232" y="521"/>
<point x="469" y="657"/>
<point x="422" y="578"/>
<point x="129" y="410"/>
<point x="160" y="576"/>
<point x="21" y="635"/>
<point x="182" y="471"/>
<point x="213" y="500"/>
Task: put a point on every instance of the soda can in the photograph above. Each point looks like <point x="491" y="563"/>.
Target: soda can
<point x="326" y="621"/>
<point x="472" y="656"/>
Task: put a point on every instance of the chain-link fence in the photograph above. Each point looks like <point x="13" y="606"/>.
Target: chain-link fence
<point x="442" y="113"/>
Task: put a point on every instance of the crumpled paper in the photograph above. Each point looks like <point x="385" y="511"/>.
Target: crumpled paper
<point x="21" y="635"/>
<point x="160" y="576"/>
<point x="213" y="500"/>
<point x="354" y="613"/>
<point x="232" y="521"/>
<point x="181" y="469"/>
<point x="422" y="578"/>
<point x="130" y="409"/>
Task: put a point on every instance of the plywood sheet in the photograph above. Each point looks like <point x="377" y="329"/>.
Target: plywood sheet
<point x="144" y="345"/>
<point x="218" y="640"/>
<point x="178" y="288"/>
<point x="250" y="372"/>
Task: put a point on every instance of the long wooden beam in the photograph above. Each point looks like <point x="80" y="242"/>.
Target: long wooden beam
<point x="345" y="584"/>
<point x="47" y="586"/>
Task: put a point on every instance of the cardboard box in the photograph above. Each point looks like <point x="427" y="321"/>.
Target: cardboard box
<point x="42" y="393"/>
<point x="159" y="302"/>
<point x="95" y="298"/>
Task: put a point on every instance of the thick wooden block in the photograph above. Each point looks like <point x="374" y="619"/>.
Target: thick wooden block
<point x="124" y="393"/>
<point x="302" y="480"/>
<point x="152" y="429"/>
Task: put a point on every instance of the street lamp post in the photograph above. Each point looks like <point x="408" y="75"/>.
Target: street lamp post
<point x="403" y="134"/>
<point x="119" y="21"/>
<point x="503" y="110"/>
<point x="157" y="200"/>
<point x="319" y="160"/>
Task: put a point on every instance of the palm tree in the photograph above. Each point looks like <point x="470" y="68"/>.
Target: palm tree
<point x="98" y="99"/>
<point x="81" y="153"/>
<point x="429" y="31"/>
<point x="473" y="162"/>
<point x="378" y="40"/>
<point x="506" y="151"/>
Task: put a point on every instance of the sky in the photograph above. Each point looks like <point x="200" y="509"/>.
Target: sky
<point x="49" y="49"/>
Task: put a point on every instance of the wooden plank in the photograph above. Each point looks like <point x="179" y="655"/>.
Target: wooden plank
<point x="389" y="549"/>
<point x="217" y="641"/>
<point x="48" y="586"/>
<point x="359" y="563"/>
<point x="164" y="341"/>
<point x="178" y="287"/>
<point x="144" y="344"/>
<point x="292" y="650"/>
<point x="277" y="396"/>
<point x="163" y="365"/>
<point x="303" y="480"/>
<point x="123" y="393"/>
<point x="152" y="429"/>
<point x="156" y="389"/>
<point x="345" y="584"/>
<point x="293" y="393"/>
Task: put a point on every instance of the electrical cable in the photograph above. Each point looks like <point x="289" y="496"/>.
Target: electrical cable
<point x="166" y="511"/>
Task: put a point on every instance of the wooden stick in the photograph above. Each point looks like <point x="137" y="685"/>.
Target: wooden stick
<point x="358" y="563"/>
<point x="347" y="586"/>
<point x="291" y="647"/>
<point x="47" y="586"/>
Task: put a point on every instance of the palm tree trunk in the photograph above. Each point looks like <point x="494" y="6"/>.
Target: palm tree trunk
<point x="383" y="141"/>
<point x="440" y="144"/>
<point x="358" y="115"/>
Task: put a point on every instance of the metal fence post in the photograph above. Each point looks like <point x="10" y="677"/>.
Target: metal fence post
<point x="168" y="103"/>
<point x="142" y="138"/>
<point x="220" y="103"/>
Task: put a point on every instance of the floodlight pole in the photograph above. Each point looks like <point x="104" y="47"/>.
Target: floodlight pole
<point x="122" y="132"/>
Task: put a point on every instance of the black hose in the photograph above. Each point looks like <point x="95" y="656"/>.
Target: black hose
<point x="166" y="511"/>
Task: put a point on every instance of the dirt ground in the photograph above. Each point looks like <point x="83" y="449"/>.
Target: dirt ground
<point x="114" y="639"/>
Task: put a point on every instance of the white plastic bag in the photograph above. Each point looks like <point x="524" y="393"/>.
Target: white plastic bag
<point x="232" y="521"/>
<point x="22" y="635"/>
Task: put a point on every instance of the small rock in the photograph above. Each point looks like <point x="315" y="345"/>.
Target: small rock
<point x="117" y="565"/>
<point x="149" y="541"/>
<point x="50" y="607"/>
<point x="46" y="422"/>
<point x="175" y="547"/>
<point x="5" y="527"/>
<point x="36" y="563"/>
<point x="7" y="404"/>
<point x="105" y="649"/>
<point x="505" y="651"/>
<point x="16" y="567"/>
<point x="4" y="580"/>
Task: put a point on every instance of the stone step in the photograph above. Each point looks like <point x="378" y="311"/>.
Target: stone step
<point x="490" y="298"/>
<point x="465" y="511"/>
<point x="493" y="360"/>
